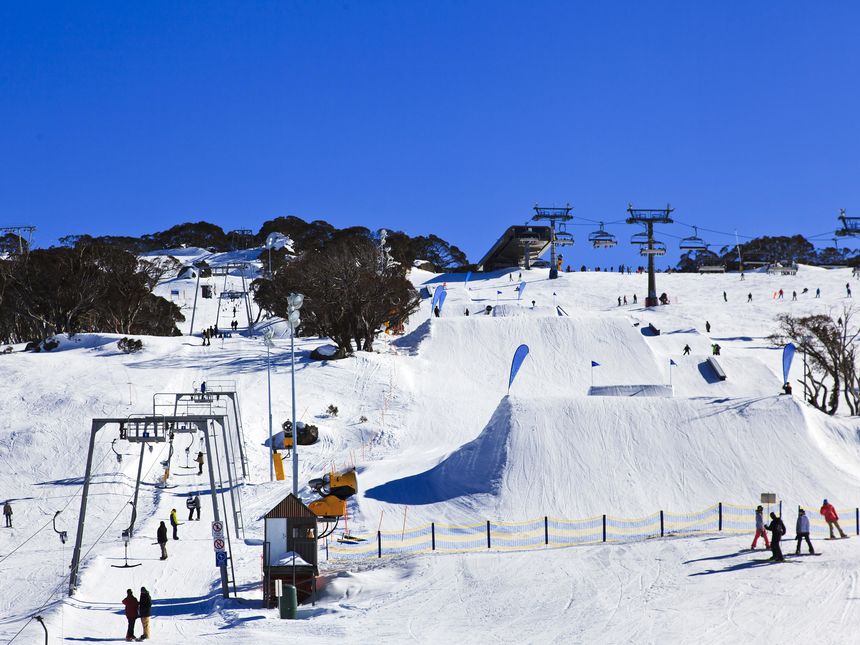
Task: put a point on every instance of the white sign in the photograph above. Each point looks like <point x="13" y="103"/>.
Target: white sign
<point x="218" y="543"/>
<point x="217" y="529"/>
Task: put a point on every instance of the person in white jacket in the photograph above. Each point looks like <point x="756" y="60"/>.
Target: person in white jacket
<point x="802" y="531"/>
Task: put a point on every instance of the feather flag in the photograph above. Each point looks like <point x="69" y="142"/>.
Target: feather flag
<point x="519" y="357"/>
<point x="787" y="355"/>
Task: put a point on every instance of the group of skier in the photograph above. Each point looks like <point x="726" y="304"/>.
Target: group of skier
<point x="137" y="608"/>
<point x="801" y="530"/>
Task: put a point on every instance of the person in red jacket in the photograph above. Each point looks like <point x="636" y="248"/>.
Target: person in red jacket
<point x="832" y="519"/>
<point x="131" y="605"/>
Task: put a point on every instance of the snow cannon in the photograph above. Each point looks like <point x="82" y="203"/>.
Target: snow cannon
<point x="308" y="434"/>
<point x="335" y="489"/>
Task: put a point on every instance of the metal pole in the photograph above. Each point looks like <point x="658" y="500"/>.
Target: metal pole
<point x="295" y="430"/>
<point x="271" y="438"/>
<point x="194" y="307"/>
<point x="79" y="537"/>
<point x="41" y="621"/>
<point x="216" y="516"/>
<point x="137" y="486"/>
<point x="651" y="300"/>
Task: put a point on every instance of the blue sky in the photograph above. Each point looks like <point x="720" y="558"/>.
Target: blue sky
<point x="447" y="117"/>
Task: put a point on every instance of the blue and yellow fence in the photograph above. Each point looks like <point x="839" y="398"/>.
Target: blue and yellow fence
<point x="551" y="532"/>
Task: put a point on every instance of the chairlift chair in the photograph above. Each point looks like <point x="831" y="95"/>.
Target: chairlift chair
<point x="563" y="237"/>
<point x="693" y="243"/>
<point x="658" y="248"/>
<point x="639" y="238"/>
<point x="602" y="239"/>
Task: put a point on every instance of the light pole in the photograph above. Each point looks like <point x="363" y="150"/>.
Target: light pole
<point x="806" y="340"/>
<point x="267" y="339"/>
<point x="294" y="303"/>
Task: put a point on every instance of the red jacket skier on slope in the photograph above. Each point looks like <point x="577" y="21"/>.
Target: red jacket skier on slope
<point x="832" y="519"/>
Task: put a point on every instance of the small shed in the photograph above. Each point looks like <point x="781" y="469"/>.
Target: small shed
<point x="187" y="272"/>
<point x="290" y="528"/>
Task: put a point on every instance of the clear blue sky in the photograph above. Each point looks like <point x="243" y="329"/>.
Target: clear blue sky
<point x="444" y="117"/>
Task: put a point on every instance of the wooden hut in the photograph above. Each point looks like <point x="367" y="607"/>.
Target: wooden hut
<point x="290" y="527"/>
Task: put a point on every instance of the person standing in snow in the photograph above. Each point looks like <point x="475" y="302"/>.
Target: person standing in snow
<point x="802" y="531"/>
<point x="624" y="300"/>
<point x="634" y="299"/>
<point x="832" y="518"/>
<point x="686" y="350"/>
<point x="777" y="530"/>
<point x="161" y="538"/>
<point x="7" y="513"/>
<point x="847" y="290"/>
<point x="436" y="311"/>
<point x="759" y="528"/>
<point x="619" y="301"/>
<point x="174" y="522"/>
<point x="199" y="460"/>
<point x="794" y="295"/>
<point x="144" y="610"/>
<point x="817" y="292"/>
<point x="749" y="297"/>
<point x="131" y="606"/>
<point x="707" y="327"/>
<point x="725" y="297"/>
<point x="467" y="311"/>
<point x="193" y="504"/>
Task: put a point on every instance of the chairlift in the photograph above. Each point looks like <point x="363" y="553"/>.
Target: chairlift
<point x="602" y="239"/>
<point x="658" y="248"/>
<point x="694" y="242"/>
<point x="639" y="238"/>
<point x="563" y="237"/>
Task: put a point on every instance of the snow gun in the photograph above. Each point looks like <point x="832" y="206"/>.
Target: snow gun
<point x="334" y="489"/>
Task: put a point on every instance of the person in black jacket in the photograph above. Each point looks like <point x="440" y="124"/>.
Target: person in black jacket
<point x="161" y="538"/>
<point x="144" y="611"/>
<point x="193" y="504"/>
<point x="777" y="530"/>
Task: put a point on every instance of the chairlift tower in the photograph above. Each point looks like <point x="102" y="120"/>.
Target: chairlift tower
<point x="647" y="217"/>
<point x="239" y="238"/>
<point x="553" y="215"/>
<point x="18" y="231"/>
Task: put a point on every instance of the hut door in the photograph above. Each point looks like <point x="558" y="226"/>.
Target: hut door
<point x="277" y="534"/>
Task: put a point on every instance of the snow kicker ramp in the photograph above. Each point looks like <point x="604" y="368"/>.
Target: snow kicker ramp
<point x="581" y="457"/>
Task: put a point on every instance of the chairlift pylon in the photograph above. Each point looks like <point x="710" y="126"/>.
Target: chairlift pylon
<point x="694" y="242"/>
<point x="602" y="239"/>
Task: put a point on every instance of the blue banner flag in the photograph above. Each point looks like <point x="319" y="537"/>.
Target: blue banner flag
<point x="787" y="355"/>
<point x="442" y="297"/>
<point x="595" y="364"/>
<point x="468" y="275"/>
<point x="521" y="288"/>
<point x="519" y="357"/>
<point x="498" y="293"/>
<point x="672" y="362"/>
<point x="438" y="298"/>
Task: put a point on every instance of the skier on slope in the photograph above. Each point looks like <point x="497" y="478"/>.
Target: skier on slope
<point x="759" y="528"/>
<point x="749" y="297"/>
<point x="144" y="610"/>
<point x="725" y="297"/>
<point x="131" y="606"/>
<point x="777" y="530"/>
<point x="832" y="518"/>
<point x="802" y="531"/>
<point x="686" y="350"/>
<point x="193" y="504"/>
<point x="199" y="460"/>
<point x="174" y="522"/>
<point x="436" y="311"/>
<point x="707" y="327"/>
<point x="7" y="513"/>
<point x="161" y="538"/>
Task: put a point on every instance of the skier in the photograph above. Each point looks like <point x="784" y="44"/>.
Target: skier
<point x="777" y="530"/>
<point x="817" y="292"/>
<point x="7" y="513"/>
<point x="161" y="538"/>
<point x="749" y="297"/>
<point x="619" y="301"/>
<point x="533" y="304"/>
<point x="203" y="387"/>
<point x="625" y="300"/>
<point x="707" y="327"/>
<point x="848" y="289"/>
<point x="780" y="294"/>
<point x="193" y="504"/>
<point x="725" y="297"/>
<point x="786" y="389"/>
<point x="759" y="528"/>
<point x="634" y="299"/>
<point x="144" y="610"/>
<point x="467" y="311"/>
<point x="715" y="349"/>
<point x="831" y="518"/>
<point x="520" y="276"/>
<point x="199" y="460"/>
<point x="794" y="295"/>
<point x="686" y="350"/>
<point x="436" y="311"/>
<point x="742" y="275"/>
<point x="174" y="522"/>
<point x="802" y="531"/>
<point x="510" y="277"/>
<point x="131" y="606"/>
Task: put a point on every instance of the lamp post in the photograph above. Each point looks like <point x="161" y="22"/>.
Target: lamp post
<point x="294" y="303"/>
<point x="267" y="340"/>
<point x="806" y="340"/>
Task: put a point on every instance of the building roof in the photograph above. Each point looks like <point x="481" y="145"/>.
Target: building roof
<point x="290" y="506"/>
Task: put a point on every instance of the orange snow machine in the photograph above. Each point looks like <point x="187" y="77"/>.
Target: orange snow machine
<point x="334" y="489"/>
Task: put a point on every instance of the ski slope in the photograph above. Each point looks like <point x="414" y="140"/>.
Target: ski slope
<point x="428" y="422"/>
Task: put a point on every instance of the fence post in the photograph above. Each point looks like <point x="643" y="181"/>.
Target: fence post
<point x="488" y="534"/>
<point x="379" y="543"/>
<point x="857" y="519"/>
<point x="433" y="535"/>
<point x="661" y="523"/>
<point x="545" y="529"/>
<point x="720" y="525"/>
<point x="604" y="527"/>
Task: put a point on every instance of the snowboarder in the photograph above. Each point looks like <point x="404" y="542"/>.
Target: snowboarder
<point x="786" y="389"/>
<point x="199" y="460"/>
<point x="777" y="530"/>
<point x="802" y="531"/>
<point x="686" y="350"/>
<point x="759" y="528"/>
<point x="161" y="538"/>
<point x="715" y="349"/>
<point x="749" y="297"/>
<point x="467" y="311"/>
<point x="174" y="522"/>
<point x="832" y="519"/>
<point x="7" y="513"/>
<point x="131" y="606"/>
<point x="707" y="327"/>
<point x="144" y="610"/>
<point x="725" y="297"/>
<point x="436" y="311"/>
<point x="193" y="504"/>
